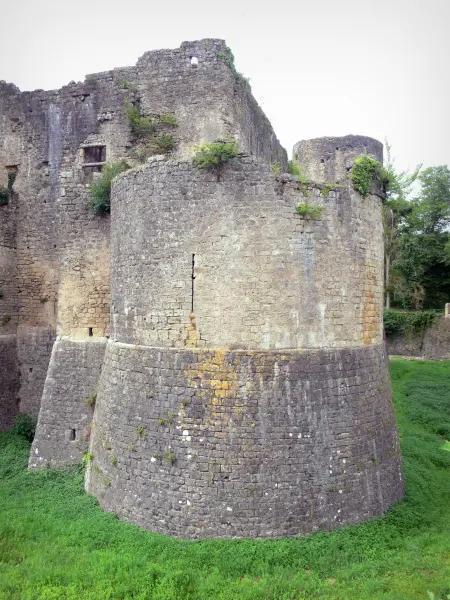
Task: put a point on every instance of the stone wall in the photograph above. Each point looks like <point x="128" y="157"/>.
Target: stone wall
<point x="330" y="159"/>
<point x="301" y="283"/>
<point x="68" y="401"/>
<point x="433" y="343"/>
<point x="54" y="253"/>
<point x="217" y="443"/>
<point x="9" y="377"/>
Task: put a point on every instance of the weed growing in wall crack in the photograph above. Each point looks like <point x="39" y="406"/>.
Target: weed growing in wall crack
<point x="88" y="457"/>
<point x="100" y="189"/>
<point x="309" y="210"/>
<point x="169" y="456"/>
<point x="298" y="171"/>
<point x="140" y="430"/>
<point x="140" y="125"/>
<point x="91" y="400"/>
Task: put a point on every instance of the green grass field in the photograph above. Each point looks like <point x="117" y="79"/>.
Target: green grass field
<point x="56" y="544"/>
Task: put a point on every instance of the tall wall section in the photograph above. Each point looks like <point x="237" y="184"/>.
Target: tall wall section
<point x="245" y="389"/>
<point x="87" y="126"/>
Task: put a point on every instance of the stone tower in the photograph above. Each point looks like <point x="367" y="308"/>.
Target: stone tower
<point x="245" y="388"/>
<point x="218" y="352"/>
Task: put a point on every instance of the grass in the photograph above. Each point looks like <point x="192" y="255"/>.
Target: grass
<point x="56" y="544"/>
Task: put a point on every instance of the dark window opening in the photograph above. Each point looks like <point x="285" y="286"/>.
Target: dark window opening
<point x="72" y="435"/>
<point x="94" y="154"/>
<point x="91" y="331"/>
<point x="31" y="369"/>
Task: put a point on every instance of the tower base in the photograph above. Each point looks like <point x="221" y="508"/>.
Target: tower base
<point x="222" y="443"/>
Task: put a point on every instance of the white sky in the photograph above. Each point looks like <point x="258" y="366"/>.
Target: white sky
<point x="317" y="67"/>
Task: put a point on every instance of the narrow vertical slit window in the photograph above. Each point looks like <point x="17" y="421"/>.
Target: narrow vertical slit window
<point x="193" y="278"/>
<point x="91" y="331"/>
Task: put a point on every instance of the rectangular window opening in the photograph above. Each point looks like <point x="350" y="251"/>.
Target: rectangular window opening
<point x="94" y="154"/>
<point x="91" y="331"/>
<point x="72" y="435"/>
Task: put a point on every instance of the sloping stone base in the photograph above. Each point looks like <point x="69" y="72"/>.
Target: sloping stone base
<point x="221" y="443"/>
<point x="63" y="428"/>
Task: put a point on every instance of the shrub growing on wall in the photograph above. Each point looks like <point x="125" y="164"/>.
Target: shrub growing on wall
<point x="213" y="156"/>
<point x="100" y="189"/>
<point x="364" y="171"/>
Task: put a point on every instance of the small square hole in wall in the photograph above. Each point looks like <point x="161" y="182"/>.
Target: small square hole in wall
<point x="91" y="331"/>
<point x="94" y="154"/>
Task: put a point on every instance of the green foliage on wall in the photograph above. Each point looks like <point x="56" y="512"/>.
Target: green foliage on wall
<point x="100" y="189"/>
<point x="5" y="192"/>
<point x="309" y="210"/>
<point x="413" y="323"/>
<point x="140" y="125"/>
<point x="298" y="171"/>
<point x="364" y="171"/>
<point x="228" y="58"/>
<point x="165" y="142"/>
<point x="213" y="156"/>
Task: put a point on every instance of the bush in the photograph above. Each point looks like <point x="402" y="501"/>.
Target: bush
<point x="168" y="119"/>
<point x="297" y="171"/>
<point x="100" y="189"/>
<point x="214" y="156"/>
<point x="140" y="125"/>
<point x="25" y="426"/>
<point x="310" y="210"/>
<point x="364" y="171"/>
<point x="413" y="323"/>
<point x="165" y="142"/>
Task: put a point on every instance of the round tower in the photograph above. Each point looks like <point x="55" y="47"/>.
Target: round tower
<point x="330" y="159"/>
<point x="245" y="389"/>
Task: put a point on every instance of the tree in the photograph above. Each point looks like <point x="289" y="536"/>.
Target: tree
<point x="420" y="274"/>
<point x="395" y="211"/>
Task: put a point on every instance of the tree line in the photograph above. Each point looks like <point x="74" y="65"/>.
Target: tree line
<point x="416" y="236"/>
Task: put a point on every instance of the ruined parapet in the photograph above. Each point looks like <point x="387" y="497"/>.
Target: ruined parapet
<point x="330" y="159"/>
<point x="245" y="389"/>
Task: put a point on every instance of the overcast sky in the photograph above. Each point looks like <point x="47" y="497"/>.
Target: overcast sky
<point x="317" y="67"/>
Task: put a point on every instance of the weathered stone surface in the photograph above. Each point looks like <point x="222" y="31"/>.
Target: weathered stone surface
<point x="265" y="277"/>
<point x="330" y="159"/>
<point x="9" y="377"/>
<point x="206" y="443"/>
<point x="64" y="424"/>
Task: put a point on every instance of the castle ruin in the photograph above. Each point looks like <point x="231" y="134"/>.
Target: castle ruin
<point x="220" y="354"/>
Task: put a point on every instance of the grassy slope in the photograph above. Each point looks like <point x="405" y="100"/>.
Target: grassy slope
<point x="55" y="543"/>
